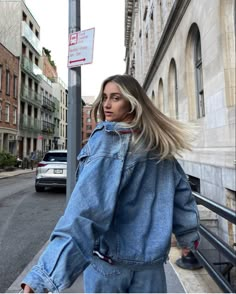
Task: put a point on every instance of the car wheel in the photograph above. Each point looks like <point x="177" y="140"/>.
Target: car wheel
<point x="39" y="189"/>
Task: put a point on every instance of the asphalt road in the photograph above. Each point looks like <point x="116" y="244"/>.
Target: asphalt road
<point x="26" y="221"/>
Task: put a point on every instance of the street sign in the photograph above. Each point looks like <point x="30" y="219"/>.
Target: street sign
<point x="81" y="48"/>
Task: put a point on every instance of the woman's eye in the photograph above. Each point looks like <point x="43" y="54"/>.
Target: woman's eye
<point x="116" y="98"/>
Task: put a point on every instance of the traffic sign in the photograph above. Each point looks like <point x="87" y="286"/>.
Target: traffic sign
<point x="81" y="48"/>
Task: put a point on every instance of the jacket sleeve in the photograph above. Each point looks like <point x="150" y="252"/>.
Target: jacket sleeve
<point x="88" y="214"/>
<point x="186" y="215"/>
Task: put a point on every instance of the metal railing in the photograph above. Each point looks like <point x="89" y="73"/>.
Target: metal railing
<point x="223" y="277"/>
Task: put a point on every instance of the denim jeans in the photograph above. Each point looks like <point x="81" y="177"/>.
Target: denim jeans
<point x="101" y="277"/>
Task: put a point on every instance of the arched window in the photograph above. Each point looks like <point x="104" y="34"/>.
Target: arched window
<point x="194" y="74"/>
<point x="153" y="96"/>
<point x="198" y="76"/>
<point x="160" y="96"/>
<point x="173" y="90"/>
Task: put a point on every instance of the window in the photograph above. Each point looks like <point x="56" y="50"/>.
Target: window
<point x="194" y="74"/>
<point x="24" y="17"/>
<point x="88" y="120"/>
<point x="153" y="96"/>
<point x="37" y="34"/>
<point x="7" y="82"/>
<point x="0" y="111"/>
<point x="15" y="87"/>
<point x="88" y="127"/>
<point x="14" y="116"/>
<point x="0" y="77"/>
<point x="199" y="77"/>
<point x="30" y="55"/>
<point x="23" y="49"/>
<point x="7" y="113"/>
<point x="31" y="25"/>
<point x="160" y="96"/>
<point x="173" y="90"/>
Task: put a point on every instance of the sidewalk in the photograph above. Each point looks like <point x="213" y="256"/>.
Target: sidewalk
<point x="16" y="172"/>
<point x="178" y="280"/>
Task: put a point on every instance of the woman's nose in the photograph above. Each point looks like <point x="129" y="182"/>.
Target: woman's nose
<point x="107" y="103"/>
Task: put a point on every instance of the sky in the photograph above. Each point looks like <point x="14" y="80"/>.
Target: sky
<point x="106" y="16"/>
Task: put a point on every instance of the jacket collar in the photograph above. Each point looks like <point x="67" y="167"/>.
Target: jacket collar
<point x="114" y="127"/>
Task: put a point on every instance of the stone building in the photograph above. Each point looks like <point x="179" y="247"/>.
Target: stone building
<point x="9" y="70"/>
<point x="183" y="53"/>
<point x="60" y="91"/>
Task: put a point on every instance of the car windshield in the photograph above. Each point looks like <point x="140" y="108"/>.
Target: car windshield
<point x="58" y="157"/>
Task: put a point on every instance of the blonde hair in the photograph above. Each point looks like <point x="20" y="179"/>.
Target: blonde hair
<point x="157" y="132"/>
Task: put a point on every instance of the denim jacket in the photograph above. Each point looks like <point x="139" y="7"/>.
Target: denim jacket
<point x="125" y="206"/>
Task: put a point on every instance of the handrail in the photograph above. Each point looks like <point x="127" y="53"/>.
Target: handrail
<point x="222" y="283"/>
<point x="221" y="210"/>
<point x="216" y="241"/>
<point x="220" y="245"/>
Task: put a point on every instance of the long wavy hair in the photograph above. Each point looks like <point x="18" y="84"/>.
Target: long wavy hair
<point x="157" y="132"/>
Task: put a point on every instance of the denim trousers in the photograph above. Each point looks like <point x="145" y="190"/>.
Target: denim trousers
<point x="101" y="277"/>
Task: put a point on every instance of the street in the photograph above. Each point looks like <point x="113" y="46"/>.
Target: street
<point x="26" y="221"/>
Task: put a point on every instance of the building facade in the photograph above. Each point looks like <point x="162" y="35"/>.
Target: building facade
<point x="38" y="108"/>
<point x="9" y="70"/>
<point x="20" y="33"/>
<point x="88" y="121"/>
<point x="61" y="94"/>
<point x="183" y="53"/>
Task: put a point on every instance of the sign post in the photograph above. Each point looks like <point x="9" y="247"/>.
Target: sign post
<point x="80" y="52"/>
<point x="74" y="105"/>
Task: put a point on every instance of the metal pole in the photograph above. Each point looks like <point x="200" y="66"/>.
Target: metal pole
<point x="74" y="105"/>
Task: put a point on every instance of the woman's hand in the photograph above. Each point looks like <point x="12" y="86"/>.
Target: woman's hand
<point x="185" y="251"/>
<point x="27" y="289"/>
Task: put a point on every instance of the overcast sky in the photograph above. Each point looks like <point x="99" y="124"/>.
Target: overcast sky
<point x="106" y="16"/>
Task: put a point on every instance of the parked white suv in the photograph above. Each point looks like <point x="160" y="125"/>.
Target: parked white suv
<point x="52" y="170"/>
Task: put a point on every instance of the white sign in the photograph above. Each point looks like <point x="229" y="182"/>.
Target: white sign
<point x="81" y="48"/>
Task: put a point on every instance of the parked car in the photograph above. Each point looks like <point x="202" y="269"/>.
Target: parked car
<point x="52" y="170"/>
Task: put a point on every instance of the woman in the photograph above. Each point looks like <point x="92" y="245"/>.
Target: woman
<point x="130" y="196"/>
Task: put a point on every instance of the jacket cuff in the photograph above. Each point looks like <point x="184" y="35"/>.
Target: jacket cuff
<point x="190" y="240"/>
<point x="39" y="281"/>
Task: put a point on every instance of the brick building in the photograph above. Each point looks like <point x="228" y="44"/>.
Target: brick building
<point x="49" y="67"/>
<point x="9" y="69"/>
<point x="88" y="123"/>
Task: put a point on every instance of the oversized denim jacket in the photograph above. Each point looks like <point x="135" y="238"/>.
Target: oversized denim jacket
<point x="124" y="205"/>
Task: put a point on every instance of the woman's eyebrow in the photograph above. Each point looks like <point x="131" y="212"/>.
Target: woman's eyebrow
<point x="116" y="93"/>
<point x="112" y="94"/>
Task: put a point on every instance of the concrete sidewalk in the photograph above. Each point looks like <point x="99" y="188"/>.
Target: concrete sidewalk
<point x="16" y="172"/>
<point x="178" y="280"/>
